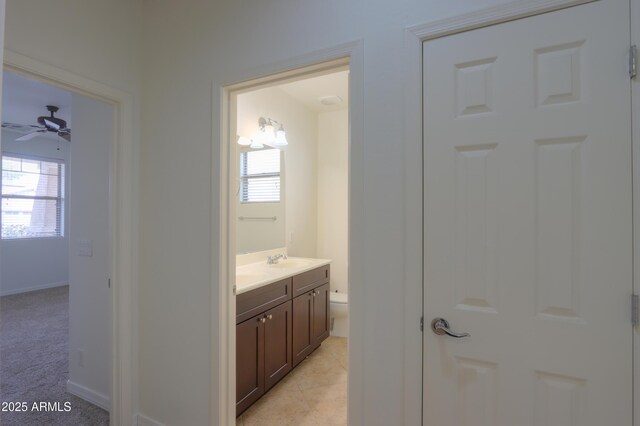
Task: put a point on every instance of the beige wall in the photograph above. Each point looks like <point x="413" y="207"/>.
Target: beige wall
<point x="193" y="45"/>
<point x="89" y="293"/>
<point x="333" y="211"/>
<point x="96" y="39"/>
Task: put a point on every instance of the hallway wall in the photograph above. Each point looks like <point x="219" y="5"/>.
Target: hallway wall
<point x="217" y="43"/>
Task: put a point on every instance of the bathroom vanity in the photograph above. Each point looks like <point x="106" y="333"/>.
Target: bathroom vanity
<point x="282" y="315"/>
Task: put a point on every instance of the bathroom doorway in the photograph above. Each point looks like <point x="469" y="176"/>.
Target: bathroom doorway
<point x="285" y="209"/>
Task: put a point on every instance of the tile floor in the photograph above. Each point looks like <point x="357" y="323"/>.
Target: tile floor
<point x="313" y="394"/>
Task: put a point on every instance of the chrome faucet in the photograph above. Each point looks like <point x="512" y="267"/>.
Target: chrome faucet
<point x="272" y="260"/>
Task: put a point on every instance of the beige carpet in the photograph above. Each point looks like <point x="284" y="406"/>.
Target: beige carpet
<point x="34" y="361"/>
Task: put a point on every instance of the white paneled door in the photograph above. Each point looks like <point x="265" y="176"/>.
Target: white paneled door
<point x="528" y="222"/>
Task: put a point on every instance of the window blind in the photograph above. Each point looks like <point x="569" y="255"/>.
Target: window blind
<point x="260" y="176"/>
<point x="32" y="197"/>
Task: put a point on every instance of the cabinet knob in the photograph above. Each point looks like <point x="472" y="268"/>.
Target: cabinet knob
<point x="270" y="316"/>
<point x="263" y="319"/>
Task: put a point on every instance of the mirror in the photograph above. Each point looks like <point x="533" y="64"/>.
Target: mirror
<point x="260" y="199"/>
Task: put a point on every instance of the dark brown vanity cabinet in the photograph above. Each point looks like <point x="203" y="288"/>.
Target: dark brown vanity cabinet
<point x="310" y="312"/>
<point x="321" y="326"/>
<point x="249" y="362"/>
<point x="277" y="344"/>
<point x="277" y="326"/>
<point x="263" y="342"/>
<point x="302" y="327"/>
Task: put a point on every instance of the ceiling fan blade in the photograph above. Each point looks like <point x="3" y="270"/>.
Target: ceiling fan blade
<point x="28" y="136"/>
<point x="51" y="124"/>
<point x="65" y="135"/>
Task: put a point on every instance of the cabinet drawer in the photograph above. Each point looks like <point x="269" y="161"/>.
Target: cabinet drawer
<point x="259" y="300"/>
<point x="309" y="280"/>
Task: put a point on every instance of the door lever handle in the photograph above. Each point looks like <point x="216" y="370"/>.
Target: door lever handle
<point x="440" y="326"/>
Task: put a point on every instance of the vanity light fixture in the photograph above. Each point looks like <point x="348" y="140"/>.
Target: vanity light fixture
<point x="270" y="132"/>
<point x="244" y="141"/>
<point x="257" y="141"/>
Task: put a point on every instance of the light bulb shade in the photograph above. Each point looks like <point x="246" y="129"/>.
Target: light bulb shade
<point x="257" y="140"/>
<point x="256" y="145"/>
<point x="259" y="137"/>
<point x="269" y="134"/>
<point x="244" y="141"/>
<point x="281" y="138"/>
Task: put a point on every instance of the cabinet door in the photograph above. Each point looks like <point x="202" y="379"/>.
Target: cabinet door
<point x="321" y="304"/>
<point x="277" y="344"/>
<point x="302" y="327"/>
<point x="249" y="362"/>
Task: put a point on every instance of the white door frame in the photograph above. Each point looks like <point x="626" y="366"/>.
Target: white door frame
<point x="415" y="36"/>
<point x="635" y="134"/>
<point x="223" y="209"/>
<point x="122" y="217"/>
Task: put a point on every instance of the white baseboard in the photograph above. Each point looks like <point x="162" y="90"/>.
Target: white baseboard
<point x="146" y="421"/>
<point x="33" y="288"/>
<point x="89" y="395"/>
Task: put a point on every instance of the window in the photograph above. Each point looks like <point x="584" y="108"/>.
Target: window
<point x="260" y="176"/>
<point x="32" y="197"/>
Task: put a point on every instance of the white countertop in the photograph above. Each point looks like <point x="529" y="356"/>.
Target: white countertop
<point x="256" y="275"/>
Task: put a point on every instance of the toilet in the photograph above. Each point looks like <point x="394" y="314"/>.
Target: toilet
<point x="339" y="314"/>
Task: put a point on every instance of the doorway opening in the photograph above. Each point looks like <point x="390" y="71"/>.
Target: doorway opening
<point x="121" y="221"/>
<point x="286" y="215"/>
<point x="56" y="298"/>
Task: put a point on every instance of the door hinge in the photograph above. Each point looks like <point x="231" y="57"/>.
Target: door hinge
<point x="109" y="282"/>
<point x="635" y="299"/>
<point x="633" y="61"/>
<point x="234" y="289"/>
<point x="421" y="323"/>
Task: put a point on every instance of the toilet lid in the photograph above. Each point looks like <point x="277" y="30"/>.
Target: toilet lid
<point x="338" y="297"/>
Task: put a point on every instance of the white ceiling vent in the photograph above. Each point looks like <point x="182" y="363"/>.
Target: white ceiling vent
<point x="330" y="100"/>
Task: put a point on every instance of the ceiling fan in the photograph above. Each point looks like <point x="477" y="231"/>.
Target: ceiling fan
<point x="46" y="124"/>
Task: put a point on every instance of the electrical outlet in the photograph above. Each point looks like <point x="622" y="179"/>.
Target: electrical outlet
<point x="81" y="357"/>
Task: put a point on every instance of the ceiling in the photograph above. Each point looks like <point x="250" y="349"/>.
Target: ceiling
<point x="25" y="99"/>
<point x="309" y="91"/>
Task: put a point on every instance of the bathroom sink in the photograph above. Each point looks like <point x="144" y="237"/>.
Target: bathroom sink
<point x="248" y="278"/>
<point x="291" y="263"/>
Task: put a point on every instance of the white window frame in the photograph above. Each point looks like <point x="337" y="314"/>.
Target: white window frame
<point x="60" y="199"/>
<point x="244" y="178"/>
